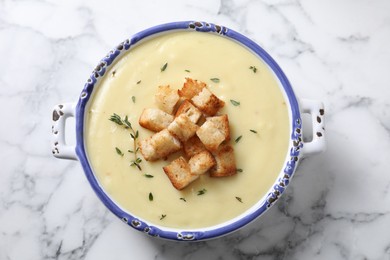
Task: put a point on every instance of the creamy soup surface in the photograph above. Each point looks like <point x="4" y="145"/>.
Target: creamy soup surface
<point x="200" y="56"/>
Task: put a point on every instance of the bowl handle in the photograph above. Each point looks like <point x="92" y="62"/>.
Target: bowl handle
<point x="59" y="148"/>
<point x="316" y="110"/>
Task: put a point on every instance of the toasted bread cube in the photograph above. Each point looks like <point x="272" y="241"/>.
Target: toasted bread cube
<point x="225" y="162"/>
<point x="178" y="172"/>
<point x="155" y="119"/>
<point x="164" y="143"/>
<point x="191" y="88"/>
<point x="210" y="136"/>
<point x="147" y="150"/>
<point x="193" y="146"/>
<point x="207" y="102"/>
<point x="166" y="99"/>
<point x="222" y="123"/>
<point x="201" y="162"/>
<point x="189" y="110"/>
<point x="183" y="128"/>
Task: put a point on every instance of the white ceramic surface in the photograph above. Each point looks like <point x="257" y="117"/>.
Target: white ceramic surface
<point x="338" y="204"/>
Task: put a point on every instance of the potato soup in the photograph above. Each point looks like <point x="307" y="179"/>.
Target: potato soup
<point x="258" y="117"/>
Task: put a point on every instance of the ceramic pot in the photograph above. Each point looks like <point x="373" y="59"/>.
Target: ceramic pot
<point x="297" y="147"/>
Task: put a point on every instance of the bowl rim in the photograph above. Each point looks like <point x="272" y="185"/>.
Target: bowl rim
<point x="295" y="144"/>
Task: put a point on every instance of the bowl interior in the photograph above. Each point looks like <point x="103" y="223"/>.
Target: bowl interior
<point x="275" y="191"/>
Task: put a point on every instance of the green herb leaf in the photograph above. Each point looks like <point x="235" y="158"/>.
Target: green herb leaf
<point x="201" y="192"/>
<point x="162" y="216"/>
<point x="187" y="70"/>
<point x="253" y="68"/>
<point x="139" y="81"/>
<point x="239" y="199"/>
<point x="148" y="176"/>
<point x="239" y="170"/>
<point x="164" y="67"/>
<point x="234" y="103"/>
<point x="238" y="139"/>
<point x="215" y="80"/>
<point x="134" y="134"/>
<point x="118" y="151"/>
<point x="133" y="98"/>
<point x="150" y="196"/>
<point x="253" y="131"/>
<point x="127" y="123"/>
<point x="116" y="119"/>
<point x="136" y="163"/>
<point x="183" y="199"/>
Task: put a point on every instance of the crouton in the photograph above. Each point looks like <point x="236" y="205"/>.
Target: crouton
<point x="191" y="88"/>
<point x="214" y="131"/>
<point x="201" y="162"/>
<point x="183" y="128"/>
<point x="166" y="99"/>
<point x="155" y="119"/>
<point x="178" y="172"/>
<point x="222" y="124"/>
<point x="164" y="143"/>
<point x="193" y="146"/>
<point x="159" y="145"/>
<point x="189" y="110"/>
<point x="225" y="162"/>
<point x="207" y="102"/>
<point x="147" y="150"/>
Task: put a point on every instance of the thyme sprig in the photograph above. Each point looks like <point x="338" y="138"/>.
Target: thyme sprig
<point x="136" y="163"/>
<point x="134" y="135"/>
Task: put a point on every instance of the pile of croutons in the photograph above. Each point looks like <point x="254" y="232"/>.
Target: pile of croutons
<point x="187" y="120"/>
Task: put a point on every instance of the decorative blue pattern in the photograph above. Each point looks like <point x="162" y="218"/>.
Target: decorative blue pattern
<point x="296" y="143"/>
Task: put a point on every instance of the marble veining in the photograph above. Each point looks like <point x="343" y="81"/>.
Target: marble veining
<point x="337" y="205"/>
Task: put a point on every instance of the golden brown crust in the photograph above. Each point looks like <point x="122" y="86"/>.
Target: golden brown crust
<point x="166" y="99"/>
<point x="214" y="132"/>
<point x="187" y="108"/>
<point x="225" y="162"/>
<point x="165" y="143"/>
<point x="193" y="146"/>
<point x="191" y="88"/>
<point x="159" y="145"/>
<point x="183" y="128"/>
<point x="147" y="150"/>
<point x="207" y="102"/>
<point x="201" y="162"/>
<point x="155" y="119"/>
<point x="222" y="123"/>
<point x="178" y="172"/>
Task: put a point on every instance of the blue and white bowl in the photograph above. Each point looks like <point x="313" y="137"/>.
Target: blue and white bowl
<point x="297" y="147"/>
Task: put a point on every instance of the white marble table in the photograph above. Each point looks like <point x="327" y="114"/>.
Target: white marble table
<point x="338" y="205"/>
